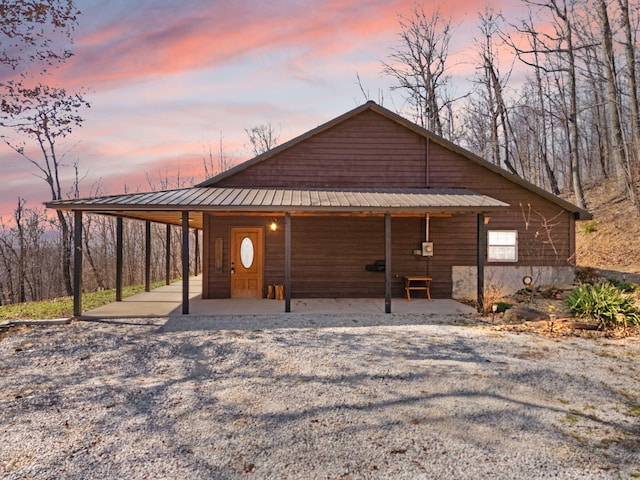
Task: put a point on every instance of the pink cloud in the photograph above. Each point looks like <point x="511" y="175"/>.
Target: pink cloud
<point x="171" y="42"/>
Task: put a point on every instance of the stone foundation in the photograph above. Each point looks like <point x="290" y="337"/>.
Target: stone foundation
<point x="505" y="280"/>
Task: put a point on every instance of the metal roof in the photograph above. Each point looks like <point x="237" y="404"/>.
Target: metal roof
<point x="215" y="199"/>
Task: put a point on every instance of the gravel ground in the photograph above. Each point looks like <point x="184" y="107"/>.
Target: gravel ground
<point x="385" y="396"/>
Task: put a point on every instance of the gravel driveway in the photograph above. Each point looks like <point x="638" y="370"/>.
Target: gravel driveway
<point x="385" y="396"/>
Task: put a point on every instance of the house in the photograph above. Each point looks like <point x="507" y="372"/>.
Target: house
<point x="356" y="205"/>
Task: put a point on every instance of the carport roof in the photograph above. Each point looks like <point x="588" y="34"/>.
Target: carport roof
<point x="151" y="205"/>
<point x="231" y="199"/>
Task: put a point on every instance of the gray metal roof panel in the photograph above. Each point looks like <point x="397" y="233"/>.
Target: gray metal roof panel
<point x="234" y="199"/>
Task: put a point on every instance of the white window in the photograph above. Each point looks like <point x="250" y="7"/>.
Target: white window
<point x="502" y="246"/>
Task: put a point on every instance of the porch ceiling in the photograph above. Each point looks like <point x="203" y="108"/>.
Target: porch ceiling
<point x="166" y="206"/>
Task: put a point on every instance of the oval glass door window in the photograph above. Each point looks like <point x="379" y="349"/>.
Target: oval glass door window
<point x="246" y="252"/>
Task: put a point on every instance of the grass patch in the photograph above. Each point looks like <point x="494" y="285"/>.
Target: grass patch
<point x="571" y="419"/>
<point x="590" y="226"/>
<point x="634" y="411"/>
<point x="63" y="307"/>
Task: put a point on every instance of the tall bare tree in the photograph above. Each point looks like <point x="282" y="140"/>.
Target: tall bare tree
<point x="419" y="64"/>
<point x="492" y="84"/>
<point x="35" y="112"/>
<point x="560" y="49"/>
<point x="630" y="49"/>
<point x="622" y="164"/>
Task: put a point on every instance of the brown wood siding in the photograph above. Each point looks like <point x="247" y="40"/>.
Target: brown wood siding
<point x="370" y="151"/>
<point x="367" y="151"/>
<point x="329" y="254"/>
<point x="544" y="228"/>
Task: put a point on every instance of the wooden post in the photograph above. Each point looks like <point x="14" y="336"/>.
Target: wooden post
<point x="147" y="256"/>
<point x="196" y="246"/>
<point x="185" y="263"/>
<point x="167" y="266"/>
<point x="480" y="260"/>
<point x="387" y="263"/>
<point x="287" y="262"/>
<point x="119" y="263"/>
<point x="77" y="264"/>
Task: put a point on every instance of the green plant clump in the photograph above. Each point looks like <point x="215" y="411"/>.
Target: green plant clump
<point x="502" y="307"/>
<point x="590" y="226"/>
<point x="622" y="285"/>
<point x="605" y="303"/>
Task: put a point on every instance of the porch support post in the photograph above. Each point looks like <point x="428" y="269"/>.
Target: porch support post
<point x="77" y="264"/>
<point x="197" y="253"/>
<point x="387" y="263"/>
<point x="287" y="262"/>
<point x="147" y="256"/>
<point x="119" y="263"/>
<point x="185" y="262"/>
<point x="167" y="260"/>
<point x="481" y="241"/>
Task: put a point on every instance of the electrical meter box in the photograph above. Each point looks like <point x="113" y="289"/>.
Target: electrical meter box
<point x="427" y="249"/>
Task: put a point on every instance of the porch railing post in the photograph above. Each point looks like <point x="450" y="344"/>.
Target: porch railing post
<point x="77" y="264"/>
<point x="287" y="262"/>
<point x="119" y="263"/>
<point x="387" y="263"/>
<point x="167" y="265"/>
<point x="147" y="256"/>
<point x="185" y="263"/>
<point x="480" y="261"/>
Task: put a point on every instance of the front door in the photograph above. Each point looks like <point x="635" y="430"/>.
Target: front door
<point x="246" y="262"/>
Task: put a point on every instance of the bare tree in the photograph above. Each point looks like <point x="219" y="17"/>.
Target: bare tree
<point x="30" y="108"/>
<point x="493" y="83"/>
<point x="44" y="115"/>
<point x="263" y="138"/>
<point x="630" y="49"/>
<point x="560" y="49"/>
<point x="623" y="170"/>
<point x="419" y="65"/>
<point x="215" y="164"/>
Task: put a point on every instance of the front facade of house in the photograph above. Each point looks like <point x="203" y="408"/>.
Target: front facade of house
<point x="374" y="150"/>
<point x="351" y="208"/>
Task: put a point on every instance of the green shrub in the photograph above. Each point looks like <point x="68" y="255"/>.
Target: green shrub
<point x="605" y="303"/>
<point x="590" y="226"/>
<point x="622" y="285"/>
<point x="502" y="307"/>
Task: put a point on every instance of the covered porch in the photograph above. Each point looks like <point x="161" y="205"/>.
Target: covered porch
<point x="166" y="301"/>
<point x="189" y="207"/>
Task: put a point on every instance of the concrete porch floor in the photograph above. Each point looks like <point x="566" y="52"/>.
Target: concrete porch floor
<point x="166" y="301"/>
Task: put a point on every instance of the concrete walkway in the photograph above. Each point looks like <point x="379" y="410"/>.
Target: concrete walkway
<point x="166" y="301"/>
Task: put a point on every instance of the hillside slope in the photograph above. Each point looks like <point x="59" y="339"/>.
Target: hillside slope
<point x="614" y="246"/>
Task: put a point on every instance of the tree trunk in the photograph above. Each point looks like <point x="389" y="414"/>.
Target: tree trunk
<point x="617" y="142"/>
<point x="634" y="157"/>
<point x="574" y="139"/>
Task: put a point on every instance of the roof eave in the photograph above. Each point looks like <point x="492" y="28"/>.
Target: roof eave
<point x="115" y="209"/>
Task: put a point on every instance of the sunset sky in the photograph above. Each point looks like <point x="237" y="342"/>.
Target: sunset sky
<point x="166" y="79"/>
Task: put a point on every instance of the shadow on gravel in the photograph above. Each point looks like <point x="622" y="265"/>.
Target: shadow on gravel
<point x="154" y="398"/>
<point x="291" y="321"/>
